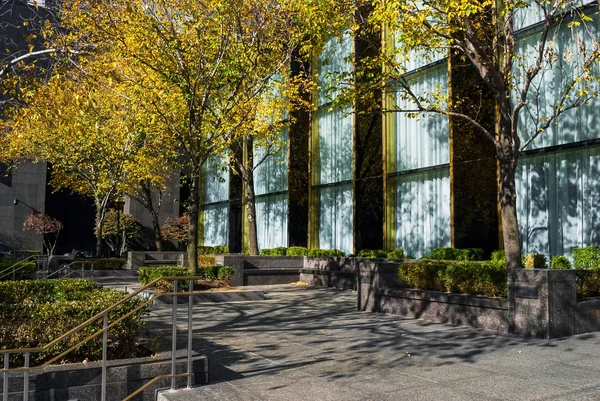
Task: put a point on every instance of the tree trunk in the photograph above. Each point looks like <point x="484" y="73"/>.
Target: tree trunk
<point x="157" y="231"/>
<point x="251" y="210"/>
<point x="508" y="207"/>
<point x="99" y="224"/>
<point x="192" y="248"/>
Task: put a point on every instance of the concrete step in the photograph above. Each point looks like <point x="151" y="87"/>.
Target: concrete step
<point x="224" y="391"/>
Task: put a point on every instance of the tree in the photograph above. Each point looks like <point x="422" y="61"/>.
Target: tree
<point x="177" y="229"/>
<point x="91" y="135"/>
<point x="485" y="36"/>
<point x="197" y="67"/>
<point x="120" y="230"/>
<point x="46" y="226"/>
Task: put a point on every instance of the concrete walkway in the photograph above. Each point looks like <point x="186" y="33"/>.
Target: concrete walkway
<point x="312" y="344"/>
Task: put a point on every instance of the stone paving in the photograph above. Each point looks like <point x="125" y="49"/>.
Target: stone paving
<point x="312" y="344"/>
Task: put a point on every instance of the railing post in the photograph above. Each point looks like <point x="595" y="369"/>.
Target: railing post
<point x="174" y="336"/>
<point x="5" y="377"/>
<point x="189" y="344"/>
<point x="26" y="378"/>
<point x="104" y="356"/>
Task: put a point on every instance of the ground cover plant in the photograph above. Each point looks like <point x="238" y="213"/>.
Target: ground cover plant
<point x="33" y="313"/>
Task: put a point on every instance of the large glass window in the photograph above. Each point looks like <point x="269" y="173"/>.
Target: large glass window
<point x="419" y="174"/>
<point x="332" y="160"/>
<point x="558" y="201"/>
<point x="270" y="186"/>
<point x="216" y="203"/>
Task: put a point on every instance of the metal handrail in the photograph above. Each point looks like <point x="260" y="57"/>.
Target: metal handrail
<point x="2" y="273"/>
<point x="64" y="267"/>
<point x="104" y="314"/>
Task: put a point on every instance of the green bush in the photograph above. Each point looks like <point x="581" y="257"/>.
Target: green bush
<point x="499" y="257"/>
<point x="297" y="251"/>
<point x="147" y="275"/>
<point x="456" y="254"/>
<point x="463" y="277"/>
<point x="325" y="253"/>
<point x="103" y="264"/>
<point x="23" y="271"/>
<point x="225" y="273"/>
<point x="561" y="263"/>
<point x="33" y="313"/>
<point x="588" y="283"/>
<point x="212" y="250"/>
<point x="586" y="258"/>
<point x="535" y="261"/>
<point x="279" y="251"/>
<point x="372" y="254"/>
<point x="396" y="254"/>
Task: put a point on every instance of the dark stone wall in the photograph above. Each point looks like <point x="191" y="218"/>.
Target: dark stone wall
<point x="298" y="134"/>
<point x="236" y="215"/>
<point x="368" y="156"/>
<point x="473" y="168"/>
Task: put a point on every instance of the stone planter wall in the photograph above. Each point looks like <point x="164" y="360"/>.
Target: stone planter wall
<point x="82" y="382"/>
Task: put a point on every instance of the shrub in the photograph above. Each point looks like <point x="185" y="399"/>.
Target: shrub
<point x="103" y="264"/>
<point x="586" y="258"/>
<point x="588" y="283"/>
<point x="297" y="251"/>
<point x="499" y="257"/>
<point x="456" y="254"/>
<point x="464" y="277"/>
<point x="561" y="263"/>
<point x="33" y="313"/>
<point x="326" y="253"/>
<point x="372" y="253"/>
<point x="212" y="250"/>
<point x="396" y="254"/>
<point x="225" y="273"/>
<point x="147" y="275"/>
<point x="535" y="261"/>
<point x="206" y="260"/>
<point x="279" y="251"/>
<point x="23" y="271"/>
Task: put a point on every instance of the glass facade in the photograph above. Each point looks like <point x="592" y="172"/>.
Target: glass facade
<point x="418" y="172"/>
<point x="557" y="192"/>
<point x="270" y="186"/>
<point x="215" y="210"/>
<point x="332" y="169"/>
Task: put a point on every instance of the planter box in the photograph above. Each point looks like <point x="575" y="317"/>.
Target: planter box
<point x="82" y="382"/>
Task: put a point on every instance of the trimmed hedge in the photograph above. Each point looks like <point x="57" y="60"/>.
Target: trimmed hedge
<point x="463" y="277"/>
<point x="325" y="253"/>
<point x="212" y="250"/>
<point x="148" y="274"/>
<point x="456" y="254"/>
<point x="499" y="257"/>
<point x="397" y="254"/>
<point x="372" y="254"/>
<point x="297" y="251"/>
<point x="586" y="258"/>
<point x="33" y="313"/>
<point x="103" y="264"/>
<point x="24" y="271"/>
<point x="561" y="263"/>
<point x="535" y="261"/>
<point x="206" y="260"/>
<point x="279" y="251"/>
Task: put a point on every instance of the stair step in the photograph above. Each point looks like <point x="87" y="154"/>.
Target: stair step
<point x="224" y="391"/>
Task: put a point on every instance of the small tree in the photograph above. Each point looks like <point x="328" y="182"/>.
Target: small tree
<point x="120" y="230"/>
<point x="46" y="226"/>
<point x="177" y="229"/>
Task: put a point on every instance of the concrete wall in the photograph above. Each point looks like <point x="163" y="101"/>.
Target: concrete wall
<point x="28" y="185"/>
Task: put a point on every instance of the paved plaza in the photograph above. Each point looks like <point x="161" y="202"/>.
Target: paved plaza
<point x="312" y="344"/>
